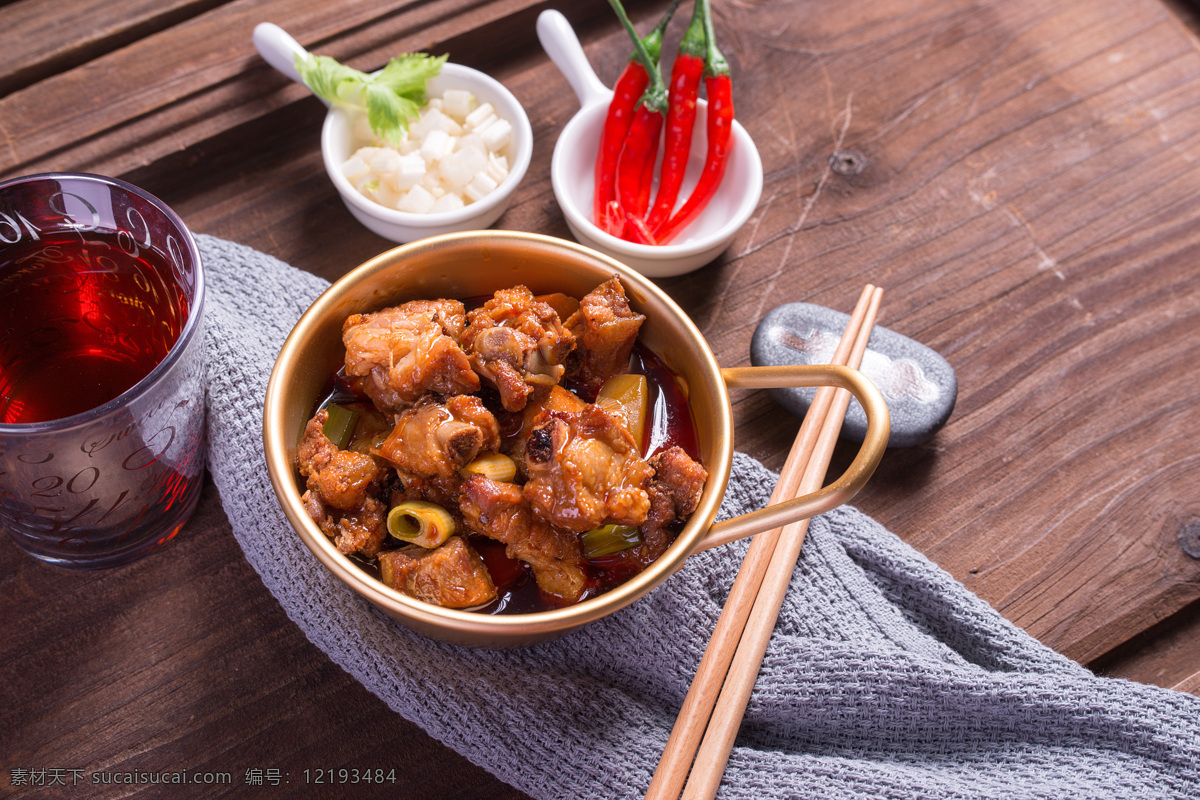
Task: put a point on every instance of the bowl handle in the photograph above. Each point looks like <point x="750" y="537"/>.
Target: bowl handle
<point x="836" y="493"/>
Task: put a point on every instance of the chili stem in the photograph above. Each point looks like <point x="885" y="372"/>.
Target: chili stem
<point x="719" y="126"/>
<point x="656" y="93"/>
<point x="635" y="165"/>
<point x="626" y="92"/>
<point x="681" y="118"/>
<point x="714" y="61"/>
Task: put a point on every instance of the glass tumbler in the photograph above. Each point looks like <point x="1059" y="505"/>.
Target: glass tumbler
<point x="101" y="369"/>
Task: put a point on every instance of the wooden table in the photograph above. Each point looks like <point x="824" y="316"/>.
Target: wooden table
<point x="1022" y="177"/>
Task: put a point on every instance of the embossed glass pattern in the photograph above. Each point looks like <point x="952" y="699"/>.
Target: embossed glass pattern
<point x="101" y="369"/>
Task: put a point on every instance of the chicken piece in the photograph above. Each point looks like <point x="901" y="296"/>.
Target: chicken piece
<point x="340" y="487"/>
<point x="584" y="470"/>
<point x="518" y="344"/>
<point x="452" y="575"/>
<point x="605" y="329"/>
<point x="360" y="530"/>
<point x="401" y="353"/>
<point x="674" y="491"/>
<point x="559" y="400"/>
<point x="436" y="440"/>
<point x="342" y="477"/>
<point x="500" y="511"/>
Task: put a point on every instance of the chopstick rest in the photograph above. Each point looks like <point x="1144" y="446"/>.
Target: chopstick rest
<point x="919" y="385"/>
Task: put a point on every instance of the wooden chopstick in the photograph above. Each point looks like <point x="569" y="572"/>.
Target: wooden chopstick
<point x="727" y="714"/>
<point x="676" y="761"/>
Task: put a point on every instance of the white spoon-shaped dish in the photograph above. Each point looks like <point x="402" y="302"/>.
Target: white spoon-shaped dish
<point x="337" y="144"/>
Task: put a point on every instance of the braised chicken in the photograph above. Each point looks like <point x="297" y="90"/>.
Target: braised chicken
<point x="339" y="490"/>
<point x="402" y="353"/>
<point x="674" y="492"/>
<point x="435" y="440"/>
<point x="584" y="470"/>
<point x="453" y="575"/>
<point x="518" y="344"/>
<point x="605" y="329"/>
<point x="499" y="511"/>
<point x="489" y="440"/>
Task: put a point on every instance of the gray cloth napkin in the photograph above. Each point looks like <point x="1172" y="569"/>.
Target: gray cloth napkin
<point x="885" y="677"/>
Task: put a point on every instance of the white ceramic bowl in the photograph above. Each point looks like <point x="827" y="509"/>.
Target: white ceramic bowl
<point x="573" y="163"/>
<point x="337" y="144"/>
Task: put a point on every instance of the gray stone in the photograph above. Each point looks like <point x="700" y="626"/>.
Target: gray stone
<point x="918" y="384"/>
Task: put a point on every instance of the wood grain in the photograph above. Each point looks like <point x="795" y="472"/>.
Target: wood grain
<point x="1019" y="176"/>
<point x="184" y="661"/>
<point x="1005" y="213"/>
<point x="1165" y="654"/>
<point x="36" y="48"/>
<point x="173" y="88"/>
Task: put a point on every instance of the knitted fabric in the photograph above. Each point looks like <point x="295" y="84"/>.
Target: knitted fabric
<point x="885" y="678"/>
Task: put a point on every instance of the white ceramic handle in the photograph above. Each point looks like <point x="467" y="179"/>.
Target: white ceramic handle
<point x="562" y="45"/>
<point x="278" y="49"/>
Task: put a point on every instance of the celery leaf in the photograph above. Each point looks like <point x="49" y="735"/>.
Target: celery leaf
<point x="391" y="98"/>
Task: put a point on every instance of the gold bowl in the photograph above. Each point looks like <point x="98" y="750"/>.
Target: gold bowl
<point x="474" y="264"/>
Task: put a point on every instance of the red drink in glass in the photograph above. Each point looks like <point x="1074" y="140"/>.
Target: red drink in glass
<point x="84" y="315"/>
<point x="101" y="400"/>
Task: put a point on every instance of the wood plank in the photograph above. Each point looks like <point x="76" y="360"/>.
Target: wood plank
<point x="38" y="44"/>
<point x="1191" y="685"/>
<point x="1167" y="654"/>
<point x="172" y="89"/>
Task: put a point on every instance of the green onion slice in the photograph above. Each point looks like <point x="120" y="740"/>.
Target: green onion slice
<point x="609" y="539"/>
<point x="339" y="426"/>
<point x="419" y="522"/>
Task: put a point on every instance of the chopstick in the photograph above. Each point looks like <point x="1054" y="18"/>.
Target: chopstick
<point x="739" y="632"/>
<point x="722" y="729"/>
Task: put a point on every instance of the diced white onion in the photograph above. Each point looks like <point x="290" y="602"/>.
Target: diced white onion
<point x="497" y="167"/>
<point x="409" y="172"/>
<point x="450" y="157"/>
<point x="459" y="167"/>
<point x="480" y="187"/>
<point x="437" y="143"/>
<point x="458" y="102"/>
<point x="383" y="160"/>
<point x="450" y="201"/>
<point x="497" y="134"/>
<point x="480" y="117"/>
<point x="354" y="167"/>
<point x="418" y="200"/>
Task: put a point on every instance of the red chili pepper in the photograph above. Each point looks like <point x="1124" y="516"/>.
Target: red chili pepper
<point x="635" y="168"/>
<point x="635" y="165"/>
<point x="626" y="92"/>
<point x="615" y="219"/>
<point x="718" y="84"/>
<point x="681" y="118"/>
<point x="636" y="231"/>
